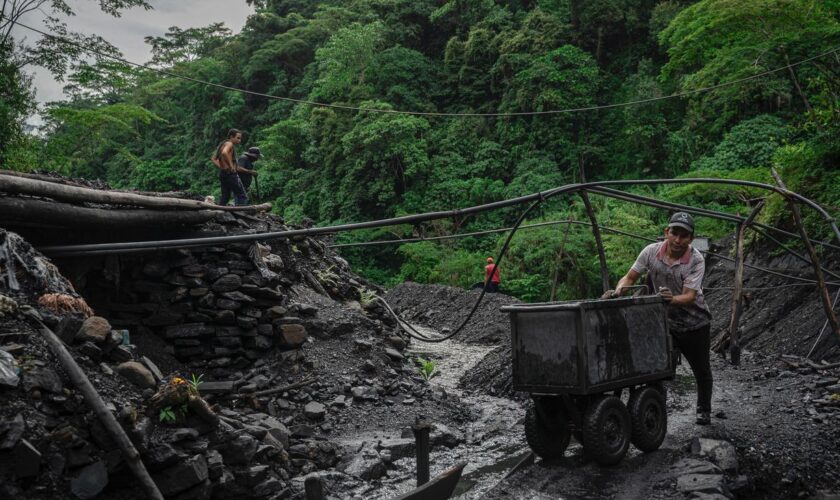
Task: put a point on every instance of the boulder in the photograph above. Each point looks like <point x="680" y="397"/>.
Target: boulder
<point x="137" y="374"/>
<point x="314" y="411"/>
<point x="188" y="330"/>
<point x="394" y="354"/>
<point x="720" y="452"/>
<point x="42" y="379"/>
<point x="90" y="481"/>
<point x="365" y="464"/>
<point x="227" y="283"/>
<point x="398" y="448"/>
<point x="182" y="476"/>
<point x="292" y="336"/>
<point x="26" y="460"/>
<point x="239" y="450"/>
<point x="11" y="431"/>
<point x="94" y="329"/>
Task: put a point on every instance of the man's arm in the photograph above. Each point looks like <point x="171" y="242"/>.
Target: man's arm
<point x="687" y="297"/>
<point x="628" y="279"/>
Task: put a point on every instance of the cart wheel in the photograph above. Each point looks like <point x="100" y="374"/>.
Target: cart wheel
<point x="546" y="430"/>
<point x="649" y="418"/>
<point x="606" y="430"/>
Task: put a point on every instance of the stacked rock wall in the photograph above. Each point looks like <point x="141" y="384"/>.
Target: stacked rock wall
<point x="218" y="307"/>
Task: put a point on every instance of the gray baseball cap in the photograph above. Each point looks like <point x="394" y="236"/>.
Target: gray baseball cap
<point x="682" y="220"/>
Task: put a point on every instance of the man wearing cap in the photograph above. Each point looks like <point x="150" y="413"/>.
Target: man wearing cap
<point x="494" y="279"/>
<point x="676" y="270"/>
<point x="246" y="166"/>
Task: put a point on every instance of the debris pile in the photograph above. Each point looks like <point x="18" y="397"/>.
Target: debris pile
<point x="235" y="371"/>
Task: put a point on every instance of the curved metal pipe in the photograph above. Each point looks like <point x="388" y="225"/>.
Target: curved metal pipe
<point x="103" y="248"/>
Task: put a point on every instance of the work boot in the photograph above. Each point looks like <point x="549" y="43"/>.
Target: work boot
<point x="704" y="418"/>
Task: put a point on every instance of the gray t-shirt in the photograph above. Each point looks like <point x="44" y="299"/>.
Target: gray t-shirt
<point x="687" y="272"/>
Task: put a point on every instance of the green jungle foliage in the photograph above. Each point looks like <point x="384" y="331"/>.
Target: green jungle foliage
<point x="139" y="129"/>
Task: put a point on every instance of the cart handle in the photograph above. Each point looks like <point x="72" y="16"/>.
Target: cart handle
<point x="633" y="287"/>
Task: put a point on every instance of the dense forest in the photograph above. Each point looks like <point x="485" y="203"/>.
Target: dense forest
<point x="141" y="128"/>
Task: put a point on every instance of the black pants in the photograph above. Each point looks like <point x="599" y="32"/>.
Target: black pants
<point x="694" y="346"/>
<point x="492" y="287"/>
<point x="231" y="184"/>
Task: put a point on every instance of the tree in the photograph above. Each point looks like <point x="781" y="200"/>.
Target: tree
<point x="184" y="45"/>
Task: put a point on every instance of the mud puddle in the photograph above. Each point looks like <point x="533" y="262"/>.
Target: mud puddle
<point x="493" y="440"/>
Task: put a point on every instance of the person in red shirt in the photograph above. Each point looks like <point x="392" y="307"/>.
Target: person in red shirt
<point x="493" y="285"/>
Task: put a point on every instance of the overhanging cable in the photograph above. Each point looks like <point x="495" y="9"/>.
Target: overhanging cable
<point x="424" y="113"/>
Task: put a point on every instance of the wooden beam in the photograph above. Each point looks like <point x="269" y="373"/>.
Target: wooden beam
<point x="13" y="184"/>
<point x="738" y="292"/>
<point x="815" y="261"/>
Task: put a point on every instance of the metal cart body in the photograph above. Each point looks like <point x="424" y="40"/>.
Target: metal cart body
<point x="572" y="355"/>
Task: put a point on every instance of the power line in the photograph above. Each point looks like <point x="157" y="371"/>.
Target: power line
<point x="423" y="113"/>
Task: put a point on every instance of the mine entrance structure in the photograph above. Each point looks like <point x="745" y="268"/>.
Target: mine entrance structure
<point x="576" y="358"/>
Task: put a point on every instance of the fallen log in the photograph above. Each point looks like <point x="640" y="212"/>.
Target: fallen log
<point x="19" y="211"/>
<point x="94" y="401"/>
<point x="13" y="184"/>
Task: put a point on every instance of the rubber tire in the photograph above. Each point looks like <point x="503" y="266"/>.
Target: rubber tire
<point x="549" y="440"/>
<point x="606" y="430"/>
<point x="649" y="418"/>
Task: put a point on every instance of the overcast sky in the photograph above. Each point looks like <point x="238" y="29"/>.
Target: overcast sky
<point x="127" y="32"/>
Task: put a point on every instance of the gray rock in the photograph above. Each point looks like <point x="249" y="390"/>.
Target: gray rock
<point x="11" y="432"/>
<point x="268" y="487"/>
<point x="314" y="411"/>
<point x="275" y="312"/>
<point x="94" y="329"/>
<point x="121" y="354"/>
<point x="339" y="401"/>
<point x="68" y="327"/>
<point x="161" y="456"/>
<point x="215" y="464"/>
<point x="238" y="296"/>
<point x="182" y="476"/>
<point x="277" y="430"/>
<point x="394" y="354"/>
<point x="225" y="317"/>
<point x="364" y="393"/>
<point x="188" y="330"/>
<point x="702" y="483"/>
<point x="720" y="452"/>
<point x="306" y="309"/>
<point x="43" y="379"/>
<point x="443" y="435"/>
<point x="148" y="363"/>
<point x="365" y="464"/>
<point x="227" y="283"/>
<point x="137" y="374"/>
<point x="292" y="336"/>
<point x="90" y="481"/>
<point x="228" y="304"/>
<point x="239" y="450"/>
<point x="398" y="342"/>
<point x="398" y="448"/>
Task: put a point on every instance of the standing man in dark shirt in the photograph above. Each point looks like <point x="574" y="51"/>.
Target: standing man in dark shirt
<point x="676" y="270"/>
<point x="247" y="161"/>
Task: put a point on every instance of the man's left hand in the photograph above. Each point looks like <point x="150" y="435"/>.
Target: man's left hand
<point x="666" y="294"/>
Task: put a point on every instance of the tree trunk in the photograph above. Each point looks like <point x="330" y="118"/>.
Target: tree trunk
<point x="738" y="292"/>
<point x="30" y="212"/>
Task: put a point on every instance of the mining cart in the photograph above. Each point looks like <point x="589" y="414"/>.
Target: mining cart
<point x="576" y="359"/>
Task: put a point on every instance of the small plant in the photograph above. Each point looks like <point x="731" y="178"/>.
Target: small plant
<point x="167" y="414"/>
<point x="427" y="368"/>
<point x="195" y="381"/>
<point x="366" y="297"/>
<point x="327" y="276"/>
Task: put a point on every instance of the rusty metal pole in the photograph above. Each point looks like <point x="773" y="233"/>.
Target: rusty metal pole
<point x="738" y="292"/>
<point x="596" y="232"/>
<point x="815" y="261"/>
<point x="421" y="430"/>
